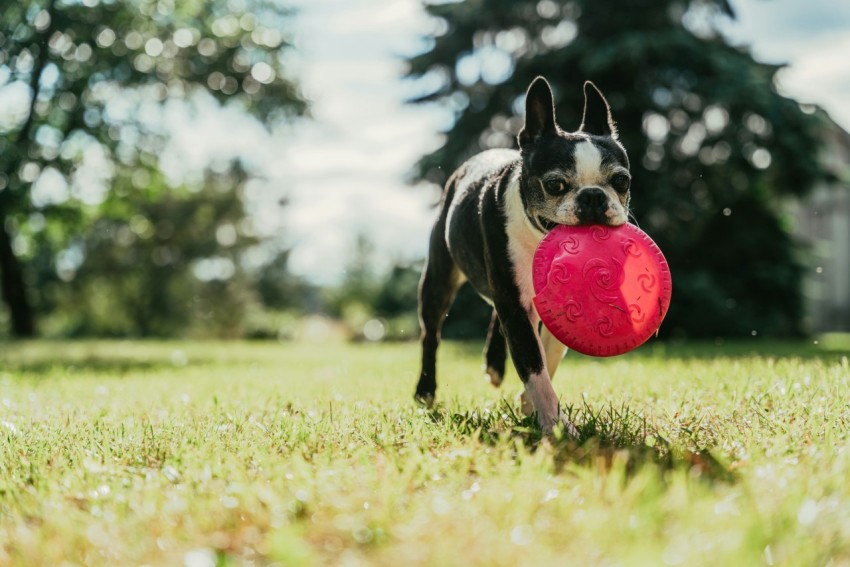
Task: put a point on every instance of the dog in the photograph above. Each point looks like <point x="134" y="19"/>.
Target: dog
<point x="495" y="209"/>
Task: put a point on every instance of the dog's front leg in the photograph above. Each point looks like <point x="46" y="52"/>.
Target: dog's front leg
<point x="555" y="351"/>
<point x="530" y="362"/>
<point x="508" y="268"/>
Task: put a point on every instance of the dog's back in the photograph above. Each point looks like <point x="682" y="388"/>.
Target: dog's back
<point x="475" y="179"/>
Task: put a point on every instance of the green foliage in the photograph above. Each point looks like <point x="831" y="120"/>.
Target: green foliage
<point x="97" y="76"/>
<point x="365" y="295"/>
<point x="353" y="299"/>
<point x="392" y="297"/>
<point x="279" y="289"/>
<point x="397" y="294"/>
<point x="155" y="267"/>
<point x="714" y="148"/>
<point x="469" y="316"/>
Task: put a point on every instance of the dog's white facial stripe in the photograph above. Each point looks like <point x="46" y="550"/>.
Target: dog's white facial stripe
<point x="588" y="160"/>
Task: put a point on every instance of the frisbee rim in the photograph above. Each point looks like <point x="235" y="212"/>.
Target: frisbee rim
<point x="547" y="306"/>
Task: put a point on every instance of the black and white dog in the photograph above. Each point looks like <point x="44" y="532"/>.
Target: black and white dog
<point x="495" y="210"/>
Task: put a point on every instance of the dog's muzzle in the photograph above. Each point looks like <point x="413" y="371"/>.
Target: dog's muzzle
<point x="592" y="206"/>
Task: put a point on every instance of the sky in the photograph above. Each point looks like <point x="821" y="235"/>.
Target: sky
<point x="347" y="166"/>
<point x="343" y="173"/>
<point x="812" y="37"/>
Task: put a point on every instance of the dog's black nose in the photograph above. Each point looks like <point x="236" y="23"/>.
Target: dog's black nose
<point x="592" y="205"/>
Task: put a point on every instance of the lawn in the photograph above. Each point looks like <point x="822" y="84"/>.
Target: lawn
<point x="202" y="454"/>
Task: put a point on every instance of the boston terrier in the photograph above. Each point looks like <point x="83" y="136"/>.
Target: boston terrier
<point x="495" y="210"/>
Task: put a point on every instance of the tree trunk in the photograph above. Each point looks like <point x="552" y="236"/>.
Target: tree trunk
<point x="12" y="285"/>
<point x="13" y="288"/>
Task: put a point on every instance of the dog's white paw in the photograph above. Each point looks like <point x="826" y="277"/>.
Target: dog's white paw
<point x="549" y="424"/>
<point x="567" y="426"/>
<point x="494" y="376"/>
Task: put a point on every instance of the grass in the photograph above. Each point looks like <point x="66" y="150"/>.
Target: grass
<point x="202" y="454"/>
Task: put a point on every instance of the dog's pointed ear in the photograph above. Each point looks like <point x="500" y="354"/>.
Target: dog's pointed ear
<point x="597" y="113"/>
<point x="539" y="112"/>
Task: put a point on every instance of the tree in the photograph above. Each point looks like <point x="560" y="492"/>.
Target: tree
<point x="91" y="73"/>
<point x="279" y="289"/>
<point x="714" y="148"/>
<point x="359" y="287"/>
<point x="153" y="266"/>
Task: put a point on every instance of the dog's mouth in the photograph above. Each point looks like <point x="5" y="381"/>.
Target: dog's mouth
<point x="546" y="224"/>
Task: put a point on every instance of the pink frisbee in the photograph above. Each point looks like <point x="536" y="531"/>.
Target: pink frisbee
<point x="601" y="290"/>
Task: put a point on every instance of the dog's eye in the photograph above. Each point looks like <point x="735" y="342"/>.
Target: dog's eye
<point x="555" y="186"/>
<point x="621" y="182"/>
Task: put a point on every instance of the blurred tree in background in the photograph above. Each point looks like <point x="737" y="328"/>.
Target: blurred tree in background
<point x="714" y="148"/>
<point x="82" y="201"/>
<point x="366" y="294"/>
<point x="152" y="265"/>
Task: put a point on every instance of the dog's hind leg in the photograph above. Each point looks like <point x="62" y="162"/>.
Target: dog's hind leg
<point x="554" y="349"/>
<point x="440" y="281"/>
<point x="495" y="352"/>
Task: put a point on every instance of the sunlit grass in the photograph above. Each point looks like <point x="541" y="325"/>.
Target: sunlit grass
<point x="131" y="453"/>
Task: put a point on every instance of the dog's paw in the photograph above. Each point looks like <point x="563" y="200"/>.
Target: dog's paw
<point x="561" y="423"/>
<point x="569" y="430"/>
<point x="494" y="376"/>
<point x="424" y="400"/>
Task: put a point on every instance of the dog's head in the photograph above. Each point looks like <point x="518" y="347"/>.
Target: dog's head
<point x="574" y="178"/>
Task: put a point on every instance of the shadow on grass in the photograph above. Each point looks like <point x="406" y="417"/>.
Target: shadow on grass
<point x="64" y="366"/>
<point x="605" y="434"/>
<point x="828" y="347"/>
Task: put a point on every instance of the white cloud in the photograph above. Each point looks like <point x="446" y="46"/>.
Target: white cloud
<point x="347" y="166"/>
<point x="782" y="30"/>
<point x="211" y="132"/>
<point x="821" y="75"/>
<point x="812" y="38"/>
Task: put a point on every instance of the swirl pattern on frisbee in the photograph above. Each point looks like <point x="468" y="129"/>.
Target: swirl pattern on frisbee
<point x="601" y="290"/>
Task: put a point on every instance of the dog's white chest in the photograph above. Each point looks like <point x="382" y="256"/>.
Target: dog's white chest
<point x="523" y="239"/>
